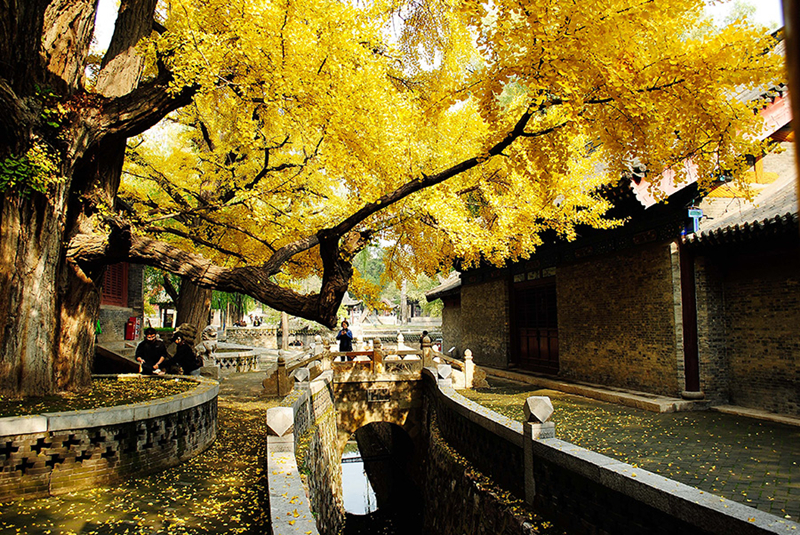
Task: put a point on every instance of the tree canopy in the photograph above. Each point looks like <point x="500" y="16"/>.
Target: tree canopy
<point x="446" y="130"/>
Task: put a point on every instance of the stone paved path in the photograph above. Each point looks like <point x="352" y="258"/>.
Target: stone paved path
<point x="750" y="461"/>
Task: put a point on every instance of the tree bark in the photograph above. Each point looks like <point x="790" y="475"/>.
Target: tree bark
<point x="193" y="307"/>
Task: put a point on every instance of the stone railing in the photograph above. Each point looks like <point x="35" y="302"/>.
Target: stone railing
<point x="583" y="491"/>
<point x="236" y="361"/>
<point x="56" y="453"/>
<point x="375" y="360"/>
<point x="252" y="336"/>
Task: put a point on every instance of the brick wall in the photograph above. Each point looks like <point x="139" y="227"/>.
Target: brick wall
<point x="712" y="354"/>
<point x="485" y="321"/>
<point x="451" y="327"/>
<point x="762" y="311"/>
<point x="58" y="462"/>
<point x="617" y="320"/>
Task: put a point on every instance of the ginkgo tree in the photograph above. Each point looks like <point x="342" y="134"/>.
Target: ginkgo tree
<point x="307" y="129"/>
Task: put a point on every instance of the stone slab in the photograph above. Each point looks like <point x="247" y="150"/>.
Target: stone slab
<point x="21" y="425"/>
<point x="289" y="508"/>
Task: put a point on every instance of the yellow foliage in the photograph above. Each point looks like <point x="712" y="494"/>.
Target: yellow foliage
<point x="312" y="109"/>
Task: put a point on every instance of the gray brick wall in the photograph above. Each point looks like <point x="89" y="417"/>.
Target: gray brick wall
<point x="762" y="309"/>
<point x="451" y="328"/>
<point x="617" y="320"/>
<point x="485" y="321"/>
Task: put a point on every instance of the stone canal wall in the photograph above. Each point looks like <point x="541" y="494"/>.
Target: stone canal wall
<point x="582" y="491"/>
<point x="305" y="428"/>
<point x="57" y="453"/>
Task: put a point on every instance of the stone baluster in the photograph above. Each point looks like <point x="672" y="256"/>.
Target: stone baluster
<point x="377" y="356"/>
<point x="327" y="359"/>
<point x="537" y="410"/>
<point x="280" y="429"/>
<point x="427" y="352"/>
<point x="469" y="368"/>
<point x="444" y="374"/>
<point x="285" y="383"/>
<point x="318" y="348"/>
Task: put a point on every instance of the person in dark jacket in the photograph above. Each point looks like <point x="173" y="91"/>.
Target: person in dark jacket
<point x="185" y="356"/>
<point x="345" y="337"/>
<point x="151" y="353"/>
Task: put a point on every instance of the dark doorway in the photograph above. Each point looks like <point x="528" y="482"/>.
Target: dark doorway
<point x="535" y="333"/>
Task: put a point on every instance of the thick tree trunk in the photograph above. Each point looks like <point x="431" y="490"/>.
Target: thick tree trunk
<point x="30" y="242"/>
<point x="193" y="306"/>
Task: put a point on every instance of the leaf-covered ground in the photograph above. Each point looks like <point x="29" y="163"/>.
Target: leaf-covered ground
<point x="103" y="393"/>
<point x="223" y="490"/>
<point x="750" y="461"/>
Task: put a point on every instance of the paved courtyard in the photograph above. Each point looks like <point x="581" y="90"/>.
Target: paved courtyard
<point x="743" y="459"/>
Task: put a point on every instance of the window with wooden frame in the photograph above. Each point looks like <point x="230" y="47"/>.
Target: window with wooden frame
<point x="115" y="285"/>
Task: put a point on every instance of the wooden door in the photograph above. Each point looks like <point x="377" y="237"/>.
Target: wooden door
<point x="536" y="322"/>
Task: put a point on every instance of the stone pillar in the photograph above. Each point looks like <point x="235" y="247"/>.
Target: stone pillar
<point x="427" y="352"/>
<point x="537" y="410"/>
<point x="469" y="369"/>
<point x="280" y="429"/>
<point x="444" y="374"/>
<point x="285" y="383"/>
<point x="377" y="356"/>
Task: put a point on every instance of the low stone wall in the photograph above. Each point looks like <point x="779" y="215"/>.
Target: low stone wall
<point x="252" y="336"/>
<point x="306" y="426"/>
<point x="584" y="491"/>
<point x="56" y="453"/>
<point x="236" y="361"/>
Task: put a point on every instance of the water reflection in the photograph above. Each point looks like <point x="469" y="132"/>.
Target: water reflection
<point x="359" y="498"/>
<point x="379" y="494"/>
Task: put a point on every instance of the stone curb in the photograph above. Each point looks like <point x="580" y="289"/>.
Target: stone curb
<point x="652" y="403"/>
<point x="206" y="390"/>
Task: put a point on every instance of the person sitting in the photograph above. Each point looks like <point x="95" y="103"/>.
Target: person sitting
<point x="151" y="353"/>
<point x="185" y="357"/>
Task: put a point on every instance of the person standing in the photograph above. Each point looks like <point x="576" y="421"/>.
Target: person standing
<point x="345" y="337"/>
<point x="151" y="353"/>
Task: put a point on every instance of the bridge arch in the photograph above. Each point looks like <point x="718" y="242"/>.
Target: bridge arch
<point x="362" y="403"/>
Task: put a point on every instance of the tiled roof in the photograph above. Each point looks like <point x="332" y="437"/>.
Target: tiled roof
<point x="449" y="285"/>
<point x="773" y="210"/>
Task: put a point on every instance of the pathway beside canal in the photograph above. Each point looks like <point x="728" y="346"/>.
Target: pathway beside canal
<point x="750" y="461"/>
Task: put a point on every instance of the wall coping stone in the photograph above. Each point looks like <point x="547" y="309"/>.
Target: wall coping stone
<point x="287" y="496"/>
<point x="205" y="390"/>
<point x="709" y="512"/>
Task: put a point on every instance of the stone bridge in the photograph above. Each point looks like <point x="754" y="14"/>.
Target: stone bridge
<point x="459" y="446"/>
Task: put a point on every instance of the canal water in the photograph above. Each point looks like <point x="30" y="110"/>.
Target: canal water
<point x="390" y="504"/>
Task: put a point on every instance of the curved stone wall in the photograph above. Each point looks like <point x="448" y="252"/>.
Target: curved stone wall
<point x="56" y="453"/>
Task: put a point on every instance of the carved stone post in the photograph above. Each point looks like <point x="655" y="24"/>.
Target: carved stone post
<point x="280" y="429"/>
<point x="427" y="352"/>
<point x="537" y="410"/>
<point x="285" y="383"/>
<point x="469" y="368"/>
<point x="377" y="356"/>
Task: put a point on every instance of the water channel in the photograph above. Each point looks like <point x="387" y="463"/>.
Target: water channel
<point x="379" y="494"/>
